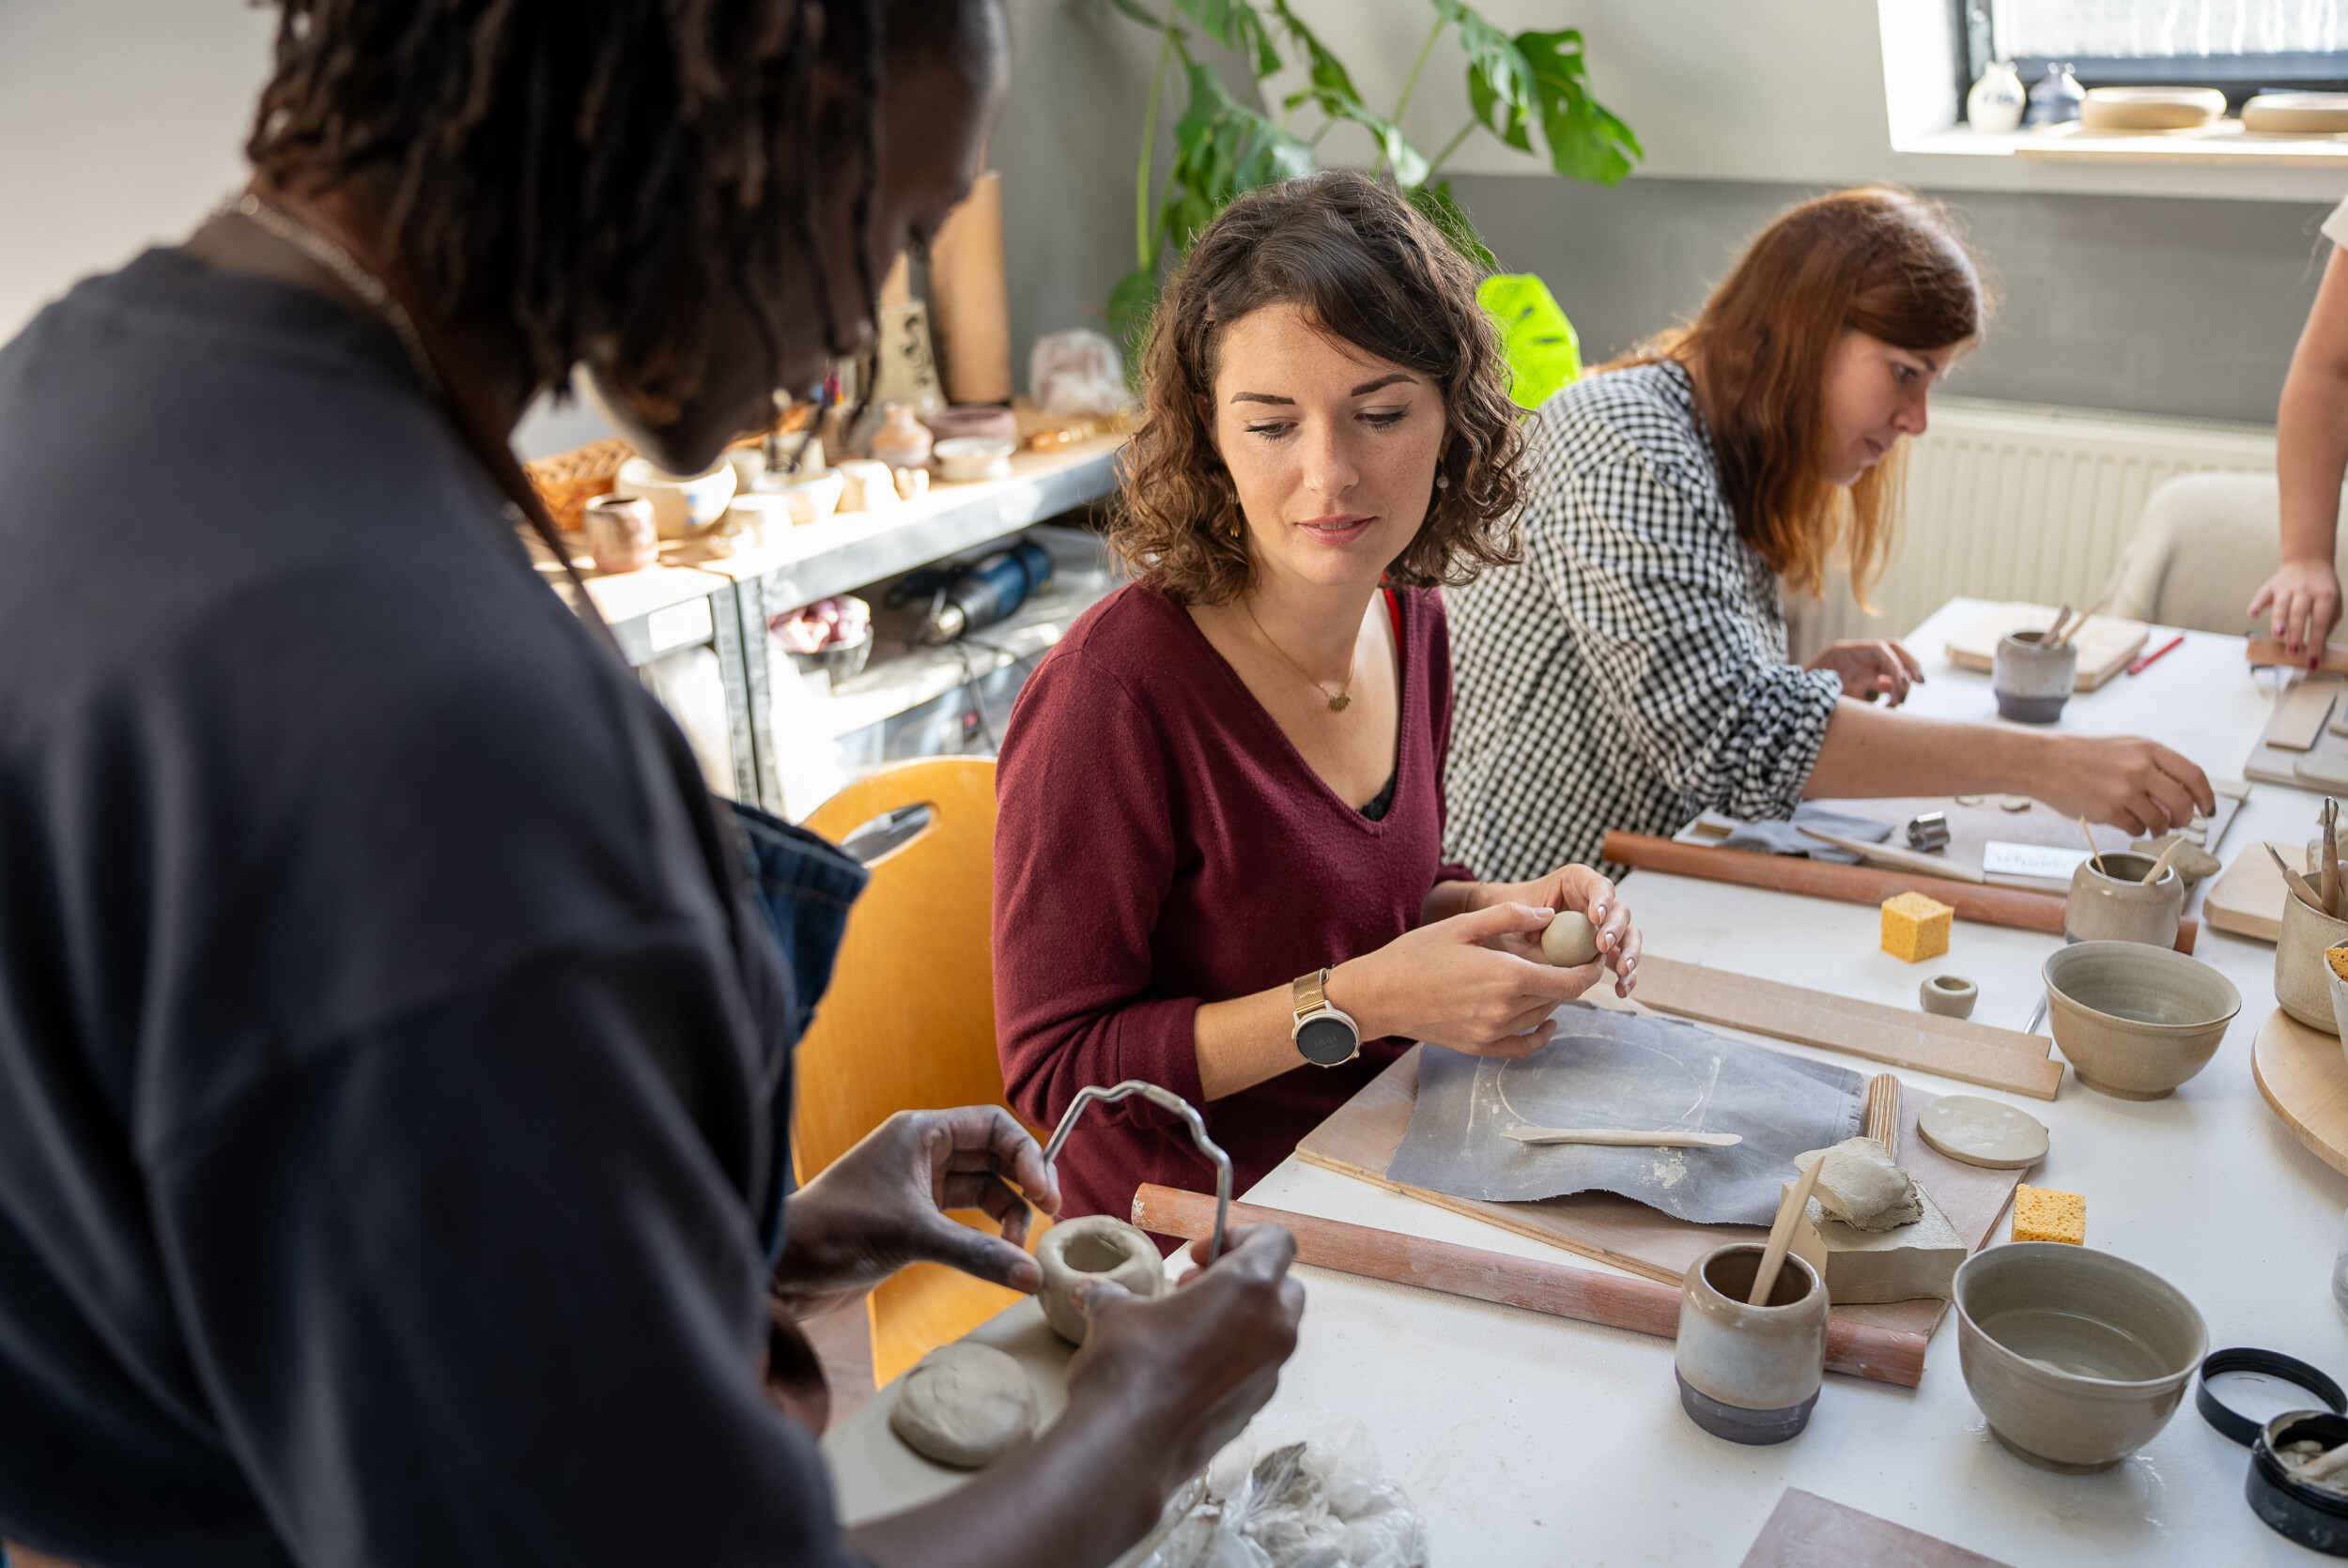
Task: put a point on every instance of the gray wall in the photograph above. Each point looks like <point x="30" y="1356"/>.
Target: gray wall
<point x="2151" y="304"/>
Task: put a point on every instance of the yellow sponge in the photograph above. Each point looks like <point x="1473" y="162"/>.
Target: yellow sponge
<point x="2042" y="1214"/>
<point x="1916" y="928"/>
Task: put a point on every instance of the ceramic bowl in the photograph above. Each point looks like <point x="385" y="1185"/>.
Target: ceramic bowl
<point x="1749" y="1374"/>
<point x="2137" y="1021"/>
<point x="2301" y="977"/>
<point x="2296" y="113"/>
<point x="2114" y="906"/>
<point x="962" y="460"/>
<point x="749" y="464"/>
<point x="810" y="496"/>
<point x="2150" y="108"/>
<point x="2077" y="1358"/>
<point x="682" y="504"/>
<point x="2030" y="682"/>
<point x="1948" y="996"/>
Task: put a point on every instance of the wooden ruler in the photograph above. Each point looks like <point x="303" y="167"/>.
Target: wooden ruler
<point x="1855" y="885"/>
<point x="1645" y="1306"/>
<point x="1952" y="1047"/>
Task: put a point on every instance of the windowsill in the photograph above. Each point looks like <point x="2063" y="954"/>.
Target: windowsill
<point x="2224" y="143"/>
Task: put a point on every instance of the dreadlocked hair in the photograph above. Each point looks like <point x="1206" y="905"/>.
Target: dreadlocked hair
<point x="594" y="171"/>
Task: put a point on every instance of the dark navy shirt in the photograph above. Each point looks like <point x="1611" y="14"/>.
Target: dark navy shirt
<point x="392" y="1075"/>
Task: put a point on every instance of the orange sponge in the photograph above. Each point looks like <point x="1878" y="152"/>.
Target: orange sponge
<point x="1916" y="928"/>
<point x="2042" y="1214"/>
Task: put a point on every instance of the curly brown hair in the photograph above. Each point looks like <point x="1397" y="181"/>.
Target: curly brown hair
<point x="1370" y="272"/>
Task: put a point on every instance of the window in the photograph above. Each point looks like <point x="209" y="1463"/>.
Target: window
<point x="2241" y="47"/>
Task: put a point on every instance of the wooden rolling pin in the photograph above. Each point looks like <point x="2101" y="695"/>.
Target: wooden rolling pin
<point x="1857" y="884"/>
<point x="1619" y="1302"/>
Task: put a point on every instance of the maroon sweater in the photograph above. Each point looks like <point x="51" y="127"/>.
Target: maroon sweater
<point x="1160" y="844"/>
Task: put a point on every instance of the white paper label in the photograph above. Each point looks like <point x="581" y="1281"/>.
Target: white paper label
<point x="2000" y="858"/>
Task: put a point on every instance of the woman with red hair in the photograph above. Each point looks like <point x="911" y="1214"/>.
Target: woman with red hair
<point x="1633" y="670"/>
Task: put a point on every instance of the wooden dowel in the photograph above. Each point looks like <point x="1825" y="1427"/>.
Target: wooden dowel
<point x="1644" y="1306"/>
<point x="1988" y="905"/>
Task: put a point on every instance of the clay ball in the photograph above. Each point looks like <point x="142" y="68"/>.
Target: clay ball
<point x="964" y="1406"/>
<point x="1570" y="939"/>
<point x="1093" y="1247"/>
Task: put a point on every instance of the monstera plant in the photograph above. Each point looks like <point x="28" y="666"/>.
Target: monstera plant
<point x="1532" y="84"/>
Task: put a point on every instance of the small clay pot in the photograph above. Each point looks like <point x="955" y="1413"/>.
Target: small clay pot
<point x="621" y="533"/>
<point x="2302" y="978"/>
<point x="2114" y="906"/>
<point x="1948" y="996"/>
<point x="2033" y="683"/>
<point x="2314" y="1517"/>
<point x="2077" y="1358"/>
<point x="1093" y="1247"/>
<point x="1750" y="1374"/>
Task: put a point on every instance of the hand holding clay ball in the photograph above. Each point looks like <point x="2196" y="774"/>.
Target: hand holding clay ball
<point x="1570" y="939"/>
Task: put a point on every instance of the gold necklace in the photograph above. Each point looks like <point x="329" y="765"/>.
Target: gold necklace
<point x="285" y="226"/>
<point x="1344" y="698"/>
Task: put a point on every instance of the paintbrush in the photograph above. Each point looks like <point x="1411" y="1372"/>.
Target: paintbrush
<point x="2093" y="854"/>
<point x="1781" y="1232"/>
<point x="2299" y="883"/>
<point x="2330" y="860"/>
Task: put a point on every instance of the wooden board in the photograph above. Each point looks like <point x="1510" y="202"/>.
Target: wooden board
<point x="2265" y="651"/>
<point x="2271" y="764"/>
<point x="2247" y="897"/>
<point x="1359" y="1139"/>
<point x="1643" y="1306"/>
<point x="1807" y="1530"/>
<point x="2303" y="1072"/>
<point x="2106" y="644"/>
<point x="1900" y="1036"/>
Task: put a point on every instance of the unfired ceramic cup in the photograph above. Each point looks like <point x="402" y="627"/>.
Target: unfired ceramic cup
<point x="1749" y="1374"/>
<point x="620" y="534"/>
<point x="2031" y="684"/>
<point x="2301" y="977"/>
<point x="2135" y="1021"/>
<point x="2114" y="906"/>
<point x="1096" y="1247"/>
<point x="1948" y="996"/>
<point x="2077" y="1358"/>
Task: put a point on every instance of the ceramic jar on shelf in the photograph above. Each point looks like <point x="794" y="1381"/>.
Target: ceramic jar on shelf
<point x="1996" y="103"/>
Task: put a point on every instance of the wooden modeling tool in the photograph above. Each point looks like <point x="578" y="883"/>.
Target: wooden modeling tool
<point x="2330" y="861"/>
<point x="1883" y="1110"/>
<point x="1907" y="860"/>
<point x="2297" y="882"/>
<point x="2094" y="853"/>
<point x="2063" y="638"/>
<point x="2047" y="638"/>
<point x="1611" y="1137"/>
<point x="1789" y="1209"/>
<point x="2265" y="651"/>
<point x="2162" y="863"/>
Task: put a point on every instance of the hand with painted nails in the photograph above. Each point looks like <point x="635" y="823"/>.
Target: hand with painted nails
<point x="2302" y="603"/>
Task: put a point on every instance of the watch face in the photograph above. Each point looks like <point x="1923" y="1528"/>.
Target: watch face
<point x="1327" y="1041"/>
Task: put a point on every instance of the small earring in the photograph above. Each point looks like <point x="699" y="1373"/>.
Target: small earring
<point x="1443" y="482"/>
<point x="1236" y="528"/>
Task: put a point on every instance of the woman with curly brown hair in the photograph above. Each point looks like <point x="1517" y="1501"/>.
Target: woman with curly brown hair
<point x="1217" y="861"/>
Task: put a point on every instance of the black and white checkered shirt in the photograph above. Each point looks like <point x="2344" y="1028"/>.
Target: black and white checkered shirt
<point x="1632" y="671"/>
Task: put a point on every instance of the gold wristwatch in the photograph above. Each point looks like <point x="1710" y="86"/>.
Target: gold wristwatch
<point x="1324" y="1037"/>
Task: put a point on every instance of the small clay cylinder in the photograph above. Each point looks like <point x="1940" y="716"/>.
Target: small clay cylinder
<point x="621" y="533"/>
<point x="2114" y="906"/>
<point x="1947" y="996"/>
<point x="2033" y="683"/>
<point x="1093" y="1247"/>
<point x="1750" y="1374"/>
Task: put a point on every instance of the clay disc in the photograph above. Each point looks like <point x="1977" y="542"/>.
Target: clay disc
<point x="1570" y="939"/>
<point x="965" y="1405"/>
<point x="2013" y="803"/>
<point x="1983" y="1132"/>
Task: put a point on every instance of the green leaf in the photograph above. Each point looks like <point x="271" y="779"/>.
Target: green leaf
<point x="1436" y="204"/>
<point x="1130" y="304"/>
<point x="1235" y="25"/>
<point x="1408" y="163"/>
<point x="1139" y="13"/>
<point x="1222" y="149"/>
<point x="1327" y="73"/>
<point x="1544" y="352"/>
<point x="1500" y="78"/>
<point x="1585" y="141"/>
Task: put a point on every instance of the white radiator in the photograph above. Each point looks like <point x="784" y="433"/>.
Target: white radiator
<point x="2010" y="500"/>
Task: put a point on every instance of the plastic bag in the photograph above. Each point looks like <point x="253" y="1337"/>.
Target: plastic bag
<point x="1291" y="1495"/>
<point x="1076" y="372"/>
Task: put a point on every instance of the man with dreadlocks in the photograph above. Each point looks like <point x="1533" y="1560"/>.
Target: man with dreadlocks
<point x="394" y="1054"/>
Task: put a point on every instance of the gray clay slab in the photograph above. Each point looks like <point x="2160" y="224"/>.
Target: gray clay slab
<point x="1983" y="1132"/>
<point x="1626" y="1071"/>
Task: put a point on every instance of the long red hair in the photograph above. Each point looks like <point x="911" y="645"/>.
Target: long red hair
<point x="1882" y="260"/>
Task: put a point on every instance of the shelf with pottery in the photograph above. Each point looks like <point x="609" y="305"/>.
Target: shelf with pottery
<point x="2224" y="143"/>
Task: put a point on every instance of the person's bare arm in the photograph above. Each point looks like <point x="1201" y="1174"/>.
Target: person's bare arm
<point x="2302" y="599"/>
<point x="2130" y="783"/>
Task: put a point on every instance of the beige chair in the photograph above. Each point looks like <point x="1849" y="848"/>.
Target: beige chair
<point x="2205" y="542"/>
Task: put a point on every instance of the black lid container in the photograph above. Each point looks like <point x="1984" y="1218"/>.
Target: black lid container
<point x="2311" y="1516"/>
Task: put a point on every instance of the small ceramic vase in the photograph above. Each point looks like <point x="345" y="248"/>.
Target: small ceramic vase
<point x="1996" y="103"/>
<point x="2033" y="683"/>
<point x="2302" y="978"/>
<point x="1095" y="1247"/>
<point x="1750" y="1374"/>
<point x="2056" y="99"/>
<point x="2114" y="906"/>
<point x="621" y="533"/>
<point x="1946" y="996"/>
<point x="901" y="441"/>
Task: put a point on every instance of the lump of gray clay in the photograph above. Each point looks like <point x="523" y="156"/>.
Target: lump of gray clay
<point x="965" y="1405"/>
<point x="1860" y="1185"/>
<point x="1093" y="1247"/>
<point x="1570" y="939"/>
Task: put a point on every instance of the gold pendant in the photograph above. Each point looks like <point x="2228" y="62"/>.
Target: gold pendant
<point x="1338" y="704"/>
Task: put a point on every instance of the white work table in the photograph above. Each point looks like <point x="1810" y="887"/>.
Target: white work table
<point x="1529" y="1439"/>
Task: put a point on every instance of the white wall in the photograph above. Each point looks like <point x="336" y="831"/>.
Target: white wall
<point x="121" y="124"/>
